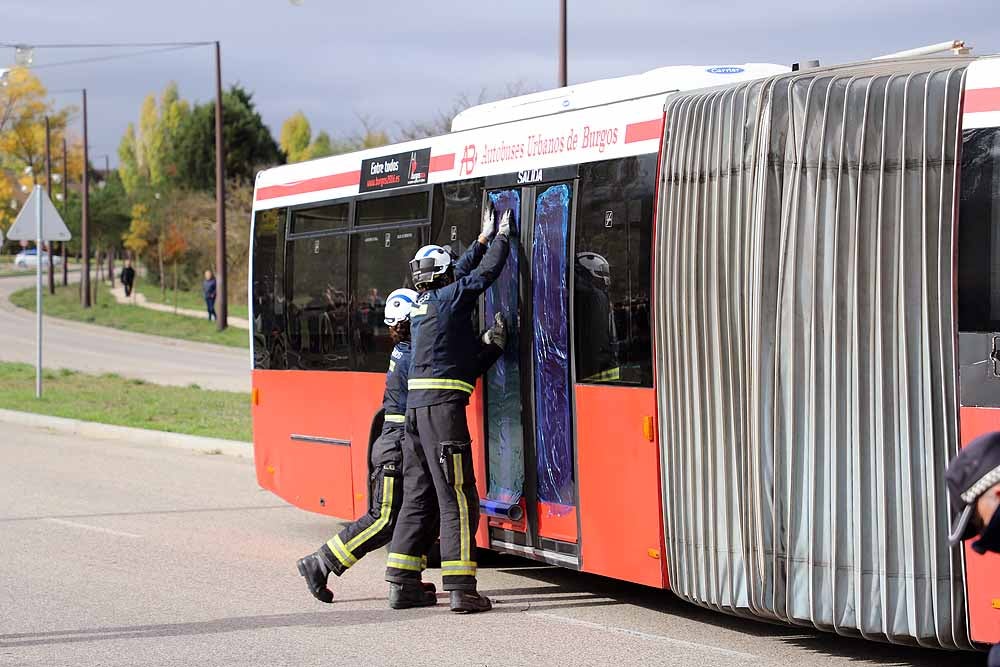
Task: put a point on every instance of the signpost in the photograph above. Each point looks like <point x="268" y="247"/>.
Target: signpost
<point x="40" y="220"/>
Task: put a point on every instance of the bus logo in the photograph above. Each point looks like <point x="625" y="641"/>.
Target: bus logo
<point x="468" y="160"/>
<point x="725" y="70"/>
<point x="388" y="239"/>
<point x="609" y="218"/>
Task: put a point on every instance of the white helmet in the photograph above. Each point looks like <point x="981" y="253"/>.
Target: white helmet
<point x="430" y="262"/>
<point x="596" y="265"/>
<point x="398" y="306"/>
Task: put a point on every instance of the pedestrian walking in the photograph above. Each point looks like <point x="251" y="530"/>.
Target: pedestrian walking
<point x="128" y="277"/>
<point x="208" y="290"/>
<point x="438" y="477"/>
<point x="974" y="489"/>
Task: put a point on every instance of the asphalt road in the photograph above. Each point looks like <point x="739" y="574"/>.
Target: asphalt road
<point x="94" y="349"/>
<point x="117" y="554"/>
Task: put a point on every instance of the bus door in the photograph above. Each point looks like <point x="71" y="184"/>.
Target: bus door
<point x="531" y="462"/>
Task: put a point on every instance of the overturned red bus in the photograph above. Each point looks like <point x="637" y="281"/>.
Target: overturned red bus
<point x="755" y="316"/>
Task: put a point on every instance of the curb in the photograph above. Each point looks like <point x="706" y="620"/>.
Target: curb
<point x="127" y="434"/>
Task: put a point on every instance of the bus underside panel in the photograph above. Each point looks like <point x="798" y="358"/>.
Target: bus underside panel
<point x="311" y="433"/>
<point x="806" y="348"/>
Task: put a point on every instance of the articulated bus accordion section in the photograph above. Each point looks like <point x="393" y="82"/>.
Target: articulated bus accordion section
<point x="805" y="336"/>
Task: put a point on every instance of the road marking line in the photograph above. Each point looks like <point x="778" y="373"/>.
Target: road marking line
<point x="644" y="635"/>
<point x="85" y="526"/>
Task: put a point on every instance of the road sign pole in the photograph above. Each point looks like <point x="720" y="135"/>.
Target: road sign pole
<point x="38" y="288"/>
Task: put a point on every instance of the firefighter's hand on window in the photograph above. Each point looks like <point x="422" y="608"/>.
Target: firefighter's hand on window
<point x="497" y="334"/>
<point x="489" y="223"/>
<point x="506" y="223"/>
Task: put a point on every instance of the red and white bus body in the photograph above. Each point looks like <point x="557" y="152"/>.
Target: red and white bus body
<point x="312" y="428"/>
<point x="332" y="236"/>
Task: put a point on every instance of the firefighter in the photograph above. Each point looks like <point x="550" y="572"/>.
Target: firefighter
<point x="374" y="529"/>
<point x="973" y="478"/>
<point x="438" y="478"/>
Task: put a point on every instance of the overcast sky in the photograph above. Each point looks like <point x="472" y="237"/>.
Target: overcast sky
<point x="395" y="61"/>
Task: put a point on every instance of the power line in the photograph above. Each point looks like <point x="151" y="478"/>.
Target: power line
<point x="109" y="45"/>
<point x="120" y="56"/>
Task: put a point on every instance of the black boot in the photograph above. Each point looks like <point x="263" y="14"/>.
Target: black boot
<point x="429" y="587"/>
<point x="469" y="602"/>
<point x="405" y="596"/>
<point x="315" y="570"/>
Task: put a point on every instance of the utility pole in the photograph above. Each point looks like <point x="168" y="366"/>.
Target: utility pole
<point x="65" y="202"/>
<point x="562" y="44"/>
<point x="85" y="213"/>
<point x="220" y="201"/>
<point x="48" y="189"/>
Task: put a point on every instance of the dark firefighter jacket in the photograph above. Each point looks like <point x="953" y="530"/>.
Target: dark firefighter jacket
<point x="447" y="352"/>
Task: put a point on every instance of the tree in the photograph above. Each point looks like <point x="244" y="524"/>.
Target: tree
<point x="140" y="231"/>
<point x="24" y="107"/>
<point x="296" y="135"/>
<point x="175" y="246"/>
<point x="109" y="218"/>
<point x="249" y="144"/>
<point x="148" y="155"/>
<point x="322" y="146"/>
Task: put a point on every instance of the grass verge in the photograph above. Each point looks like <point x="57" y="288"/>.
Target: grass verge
<point x="185" y="299"/>
<point x="65" y="304"/>
<point x="112" y="399"/>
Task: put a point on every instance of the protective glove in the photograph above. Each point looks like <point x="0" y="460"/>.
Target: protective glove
<point x="489" y="221"/>
<point x="506" y="223"/>
<point x="497" y="334"/>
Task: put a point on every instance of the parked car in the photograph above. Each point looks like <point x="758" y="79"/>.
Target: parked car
<point x="29" y="259"/>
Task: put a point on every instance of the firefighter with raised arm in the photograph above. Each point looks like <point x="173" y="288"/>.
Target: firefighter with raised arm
<point x="374" y="529"/>
<point x="438" y="477"/>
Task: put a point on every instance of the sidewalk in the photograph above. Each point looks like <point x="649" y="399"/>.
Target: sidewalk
<point x="140" y="300"/>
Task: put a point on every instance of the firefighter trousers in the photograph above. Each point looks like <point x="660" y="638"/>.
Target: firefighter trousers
<point x="374" y="529"/>
<point x="438" y="483"/>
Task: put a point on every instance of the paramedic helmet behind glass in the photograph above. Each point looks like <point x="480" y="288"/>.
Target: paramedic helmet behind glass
<point x="596" y="265"/>
<point x="398" y="306"/>
<point x="428" y="264"/>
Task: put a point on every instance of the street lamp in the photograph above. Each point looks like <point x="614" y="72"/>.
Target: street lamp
<point x="24" y="55"/>
<point x="84" y="206"/>
<point x="562" y="44"/>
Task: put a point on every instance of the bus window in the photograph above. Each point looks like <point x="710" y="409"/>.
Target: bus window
<point x="320" y="218"/>
<point x="457" y="214"/>
<point x="612" y="272"/>
<point x="979" y="232"/>
<point x="318" y="314"/>
<point x="379" y="264"/>
<point x="386" y="210"/>
<point x="978" y="268"/>
<point x="268" y="240"/>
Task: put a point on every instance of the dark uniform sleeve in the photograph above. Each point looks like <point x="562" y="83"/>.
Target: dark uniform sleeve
<point x="488" y="356"/>
<point x="469" y="260"/>
<point x="403" y="373"/>
<point x="468" y="288"/>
